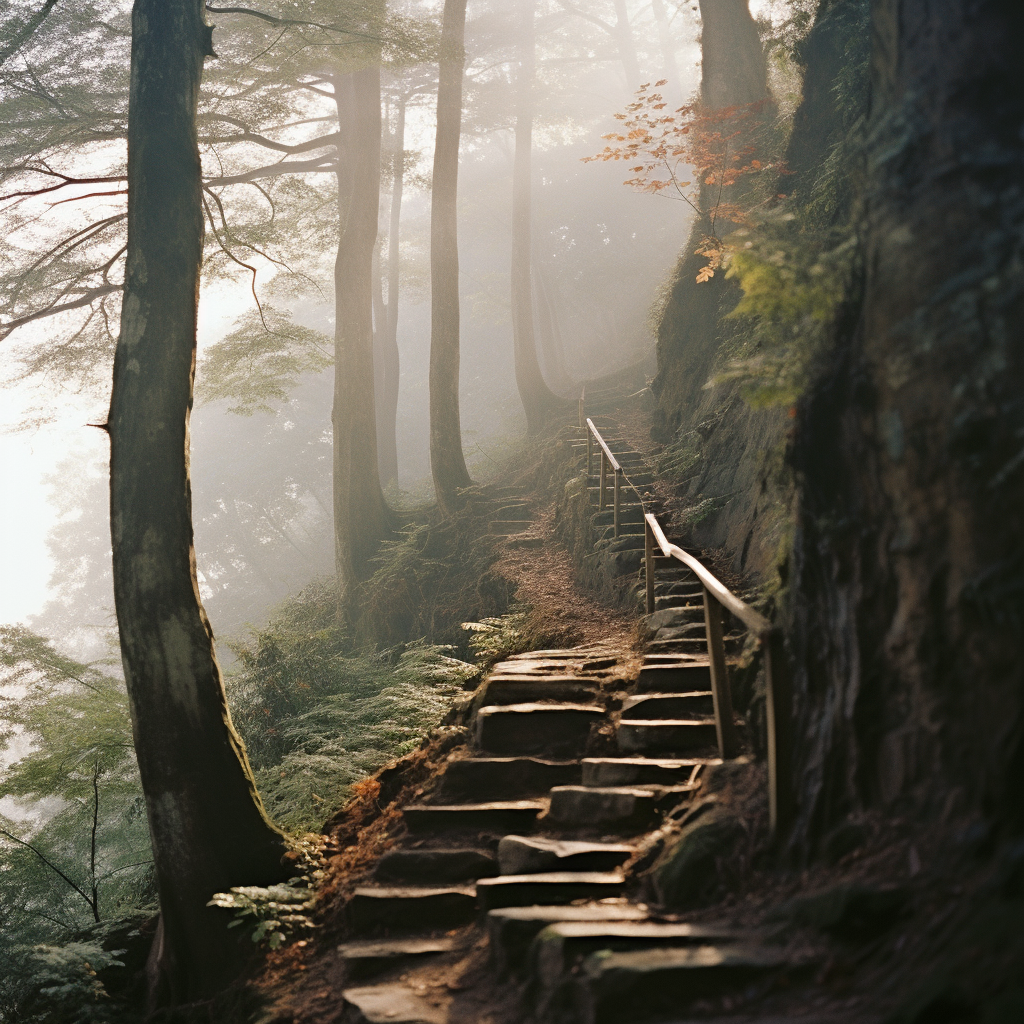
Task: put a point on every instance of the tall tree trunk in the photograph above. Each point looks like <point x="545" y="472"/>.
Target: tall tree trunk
<point x="908" y="555"/>
<point x="733" y="67"/>
<point x="733" y="73"/>
<point x="538" y="400"/>
<point x="627" y="48"/>
<point x="387" y="410"/>
<point x="361" y="516"/>
<point x="668" y="53"/>
<point x="447" y="462"/>
<point x="550" y="335"/>
<point x="208" y="828"/>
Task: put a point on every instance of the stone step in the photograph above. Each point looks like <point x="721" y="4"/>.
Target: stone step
<point x="511" y="930"/>
<point x="674" y="676"/>
<point x="507" y="527"/>
<point x="435" y="867"/>
<point x="637" y="985"/>
<point x="505" y="778"/>
<point x="496" y="817"/>
<point x="680" y="588"/>
<point x="640" y="771"/>
<point x="563" y="653"/>
<point x="688" y="609"/>
<point x="548" y="888"/>
<point x="558" y="946"/>
<point x="521" y="540"/>
<point x="633" y="531"/>
<point x="366" y="958"/>
<point x="523" y="855"/>
<point x="669" y="736"/>
<point x="393" y="1003"/>
<point x="560" y="731"/>
<point x="607" y="807"/>
<point x="409" y="908"/>
<point x="697" y="704"/>
<point x="633" y="514"/>
<point x="532" y="666"/>
<point x="599" y="664"/>
<point x="674" y="618"/>
<point x="690" y="645"/>
<point x="522" y="688"/>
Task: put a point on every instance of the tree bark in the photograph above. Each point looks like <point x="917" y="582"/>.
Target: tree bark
<point x="908" y="544"/>
<point x="387" y="410"/>
<point x="208" y="828"/>
<point x="733" y="67"/>
<point x="733" y="73"/>
<point x="538" y="400"/>
<point x="447" y="462"/>
<point x="361" y="516"/>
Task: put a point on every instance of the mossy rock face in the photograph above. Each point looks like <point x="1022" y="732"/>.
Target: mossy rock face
<point x="688" y="869"/>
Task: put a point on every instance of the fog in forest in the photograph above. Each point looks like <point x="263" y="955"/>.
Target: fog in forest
<point x="261" y="481"/>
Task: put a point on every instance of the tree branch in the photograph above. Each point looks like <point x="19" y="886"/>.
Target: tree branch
<point x="85" y="299"/>
<point x="319" y="164"/>
<point x="53" y="867"/>
<point x="25" y="32"/>
<point x="297" y="23"/>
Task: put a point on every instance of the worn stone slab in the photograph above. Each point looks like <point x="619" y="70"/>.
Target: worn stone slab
<point x="510" y="930"/>
<point x="668" y="640"/>
<point x="693" y="705"/>
<point x="390" y="1004"/>
<point x="602" y="807"/>
<point x="495" y="816"/>
<point x="505" y="778"/>
<point x="407" y="908"/>
<point x="365" y="958"/>
<point x="432" y="867"/>
<point x="673" y="618"/>
<point x="547" y="888"/>
<point x="532" y="689"/>
<point x="678" y="677"/>
<point x="521" y="855"/>
<point x="558" y="946"/>
<point x="640" y="771"/>
<point x="553" y="730"/>
<point x="638" y="985"/>
<point x="638" y="735"/>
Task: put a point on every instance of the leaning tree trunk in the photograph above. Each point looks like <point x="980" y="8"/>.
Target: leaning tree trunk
<point x="907" y="562"/>
<point x="207" y="825"/>
<point x="550" y="335"/>
<point x="447" y="462"/>
<point x="387" y="411"/>
<point x="538" y="400"/>
<point x="361" y="516"/>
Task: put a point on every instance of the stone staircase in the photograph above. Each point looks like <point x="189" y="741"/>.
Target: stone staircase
<point x="576" y="756"/>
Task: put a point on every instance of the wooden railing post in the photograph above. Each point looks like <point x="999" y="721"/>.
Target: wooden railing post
<point x="649" y="565"/>
<point x="779" y="706"/>
<point x="604" y="476"/>
<point x="721" y="693"/>
<point x="590" y="446"/>
<point x="615" y="513"/>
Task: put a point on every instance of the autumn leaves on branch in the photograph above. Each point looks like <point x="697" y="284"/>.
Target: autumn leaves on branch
<point x="714" y="150"/>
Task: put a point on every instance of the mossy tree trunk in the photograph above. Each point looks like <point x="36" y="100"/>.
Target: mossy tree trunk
<point x="537" y="398"/>
<point x="447" y="462"/>
<point x="907" y="565"/>
<point x="361" y="515"/>
<point x="208" y="828"/>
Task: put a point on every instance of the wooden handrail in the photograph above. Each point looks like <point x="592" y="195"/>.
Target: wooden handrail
<point x="604" y="447"/>
<point x="751" y="619"/>
<point x="779" y="697"/>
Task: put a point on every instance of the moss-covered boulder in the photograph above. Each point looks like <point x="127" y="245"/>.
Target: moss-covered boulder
<point x="688" y="869"/>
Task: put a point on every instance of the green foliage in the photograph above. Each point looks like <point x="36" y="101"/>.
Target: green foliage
<point x="793" y="281"/>
<point x="80" y="849"/>
<point x="279" y="911"/>
<point x="259" y="363"/>
<point x="493" y="639"/>
<point x="47" y="984"/>
<point x="317" y="717"/>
